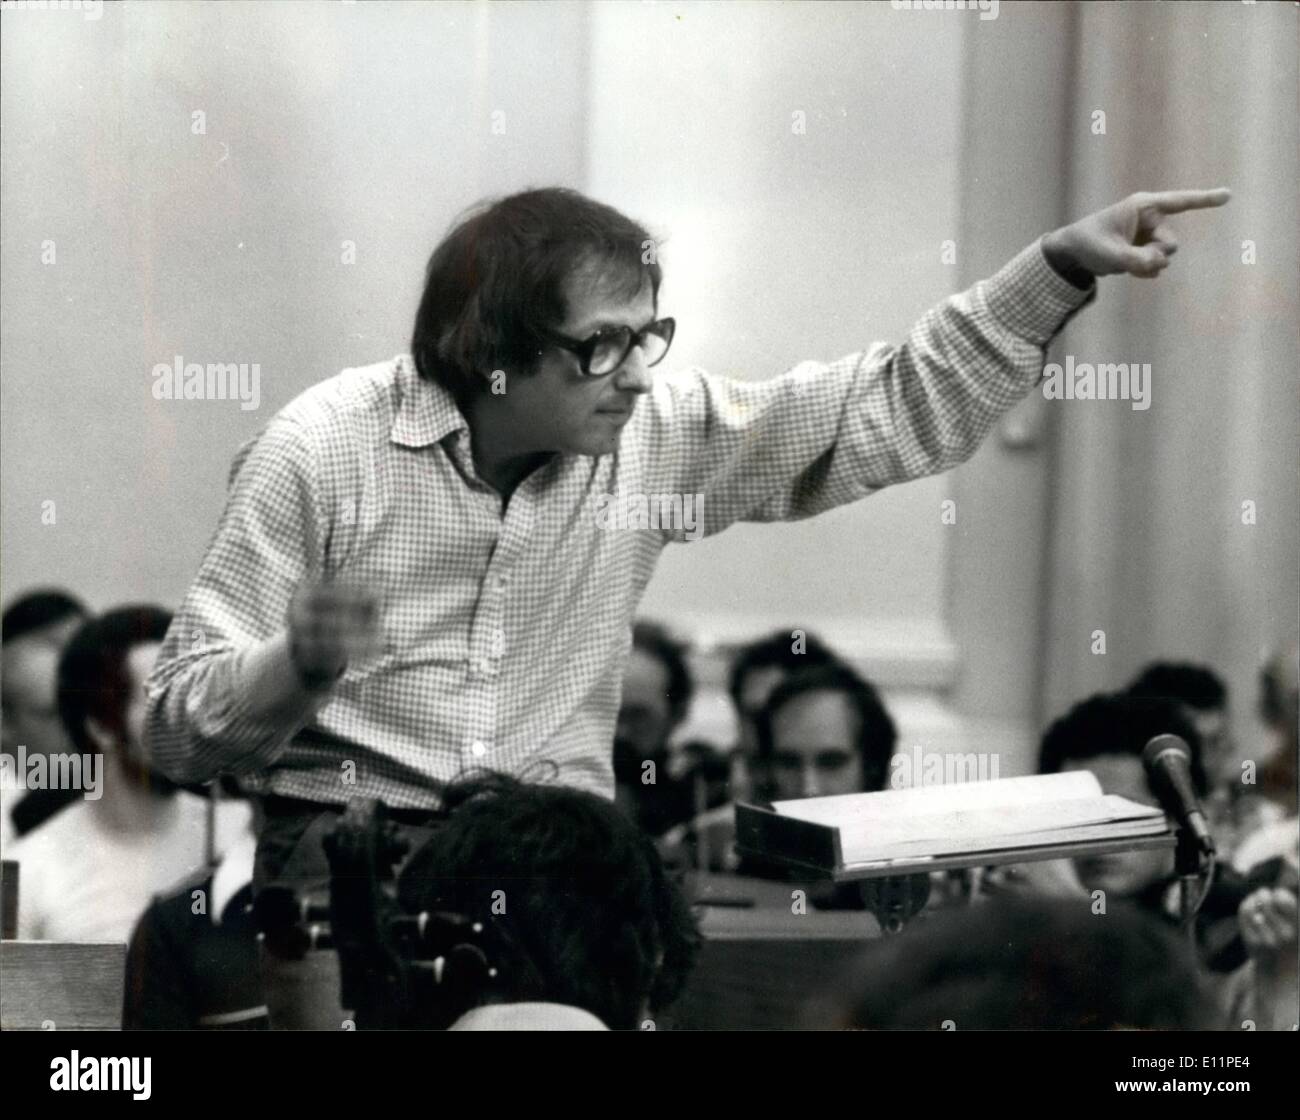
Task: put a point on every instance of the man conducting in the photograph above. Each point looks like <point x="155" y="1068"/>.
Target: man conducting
<point x="431" y="565"/>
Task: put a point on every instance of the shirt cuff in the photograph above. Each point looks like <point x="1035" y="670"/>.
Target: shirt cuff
<point x="1029" y="297"/>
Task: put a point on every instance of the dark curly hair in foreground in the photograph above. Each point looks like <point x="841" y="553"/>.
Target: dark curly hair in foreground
<point x="590" y="917"/>
<point x="1028" y="965"/>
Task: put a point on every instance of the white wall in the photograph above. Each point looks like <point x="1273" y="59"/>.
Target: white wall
<point x="325" y="123"/>
<point x="782" y="247"/>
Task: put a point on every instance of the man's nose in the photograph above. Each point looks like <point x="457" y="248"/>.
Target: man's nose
<point x="811" y="787"/>
<point x="634" y="375"/>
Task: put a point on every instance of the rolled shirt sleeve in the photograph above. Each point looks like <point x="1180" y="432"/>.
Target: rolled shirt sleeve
<point x="271" y="536"/>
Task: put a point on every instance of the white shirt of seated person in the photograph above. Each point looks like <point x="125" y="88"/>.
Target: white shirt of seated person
<point x="91" y="871"/>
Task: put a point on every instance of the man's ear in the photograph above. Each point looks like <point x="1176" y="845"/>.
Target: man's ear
<point x="100" y="735"/>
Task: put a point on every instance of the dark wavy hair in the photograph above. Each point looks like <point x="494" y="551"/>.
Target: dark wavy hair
<point x="590" y="918"/>
<point x="496" y="284"/>
<point x="94" y="682"/>
<point x="1197" y="686"/>
<point x="654" y="639"/>
<point x="1118" y="723"/>
<point x="36" y="610"/>
<point x="876" y="731"/>
<point x="776" y="651"/>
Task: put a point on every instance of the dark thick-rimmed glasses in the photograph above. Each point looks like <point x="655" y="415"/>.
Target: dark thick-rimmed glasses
<point x="606" y="350"/>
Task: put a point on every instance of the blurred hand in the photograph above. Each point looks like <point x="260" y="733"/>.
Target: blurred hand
<point x="1268" y="920"/>
<point x="1132" y="236"/>
<point x="330" y="626"/>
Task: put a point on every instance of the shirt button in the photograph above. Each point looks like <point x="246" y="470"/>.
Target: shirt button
<point x="478" y="748"/>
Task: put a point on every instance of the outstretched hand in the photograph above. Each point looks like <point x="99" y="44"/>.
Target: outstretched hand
<point x="1131" y="236"/>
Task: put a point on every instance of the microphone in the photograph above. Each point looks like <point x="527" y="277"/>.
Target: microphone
<point x="1168" y="763"/>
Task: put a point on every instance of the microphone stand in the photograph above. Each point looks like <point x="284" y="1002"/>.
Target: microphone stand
<point x="1193" y="880"/>
<point x="210" y="824"/>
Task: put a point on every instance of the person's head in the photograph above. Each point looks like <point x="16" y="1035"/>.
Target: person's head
<point x="576" y="902"/>
<point x="1106" y="734"/>
<point x="102" y="674"/>
<point x="759" y="667"/>
<point x="1203" y="696"/>
<point x="657" y="689"/>
<point x="1025" y="964"/>
<point x="1279" y="709"/>
<point x="824" y="731"/>
<point x="33" y="630"/>
<point x="519" y="285"/>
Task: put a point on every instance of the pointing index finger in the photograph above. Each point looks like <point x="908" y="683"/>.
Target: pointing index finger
<point x="1175" y="202"/>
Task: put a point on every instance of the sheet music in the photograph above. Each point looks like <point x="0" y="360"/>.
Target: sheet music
<point x="886" y="804"/>
<point x="972" y="817"/>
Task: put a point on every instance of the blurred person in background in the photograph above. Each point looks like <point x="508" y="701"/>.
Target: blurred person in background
<point x="88" y="874"/>
<point x="1203" y="699"/>
<point x="824" y="731"/>
<point x="33" y="632"/>
<point x="1106" y="735"/>
<point x="192" y="963"/>
<point x="1266" y="991"/>
<point x="657" y="690"/>
<point x="1232" y="807"/>
<point x="1279" y="700"/>
<point x="756" y="670"/>
<point x="682" y="781"/>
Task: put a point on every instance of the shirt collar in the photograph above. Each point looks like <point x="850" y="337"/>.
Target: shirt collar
<point x="427" y="412"/>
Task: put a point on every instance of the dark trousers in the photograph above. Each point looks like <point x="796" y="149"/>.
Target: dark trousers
<point x="303" y="994"/>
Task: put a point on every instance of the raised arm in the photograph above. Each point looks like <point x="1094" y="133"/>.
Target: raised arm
<point x="828" y="433"/>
